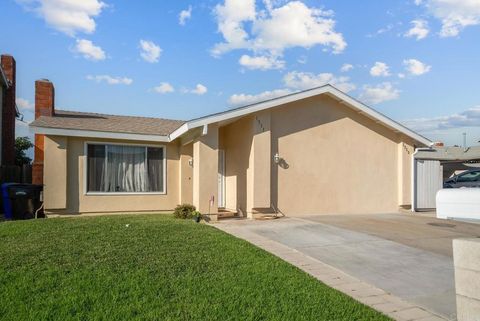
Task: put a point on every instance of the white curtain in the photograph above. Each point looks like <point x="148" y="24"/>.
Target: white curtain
<point x="126" y="169"/>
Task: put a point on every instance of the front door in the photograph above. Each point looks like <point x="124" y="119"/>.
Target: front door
<point x="221" y="178"/>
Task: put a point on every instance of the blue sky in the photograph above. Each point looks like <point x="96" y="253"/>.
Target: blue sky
<point x="413" y="60"/>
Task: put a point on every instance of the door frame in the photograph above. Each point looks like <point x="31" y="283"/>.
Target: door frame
<point x="221" y="178"/>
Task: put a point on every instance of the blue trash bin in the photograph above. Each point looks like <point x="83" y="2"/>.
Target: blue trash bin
<point x="7" y="204"/>
<point x="22" y="201"/>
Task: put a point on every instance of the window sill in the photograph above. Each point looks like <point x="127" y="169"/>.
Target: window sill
<point x="123" y="193"/>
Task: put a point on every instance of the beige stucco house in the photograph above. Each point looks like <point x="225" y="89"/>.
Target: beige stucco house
<point x="313" y="152"/>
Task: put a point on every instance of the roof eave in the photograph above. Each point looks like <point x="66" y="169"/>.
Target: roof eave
<point x="97" y="134"/>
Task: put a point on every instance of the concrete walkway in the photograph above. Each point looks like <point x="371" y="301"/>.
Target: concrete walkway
<point x="403" y="282"/>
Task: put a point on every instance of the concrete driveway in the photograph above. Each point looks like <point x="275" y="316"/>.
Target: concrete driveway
<point x="405" y="255"/>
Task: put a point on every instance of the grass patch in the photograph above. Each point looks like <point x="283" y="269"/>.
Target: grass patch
<point x="157" y="268"/>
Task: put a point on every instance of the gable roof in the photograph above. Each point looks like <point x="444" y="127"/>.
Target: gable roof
<point x="326" y="89"/>
<point x="157" y="129"/>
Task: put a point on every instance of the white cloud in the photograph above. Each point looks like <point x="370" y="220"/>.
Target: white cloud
<point x="381" y="31"/>
<point x="467" y="118"/>
<point x="302" y="59"/>
<point x="164" y="88"/>
<point x="24" y="104"/>
<point x="22" y="130"/>
<point x="199" y="90"/>
<point x="150" y="51"/>
<point x="306" y="80"/>
<point x="419" y="29"/>
<point x="246" y="99"/>
<point x="294" y="81"/>
<point x="380" y="93"/>
<point x="67" y="16"/>
<point x="455" y="15"/>
<point x="380" y="69"/>
<point x="230" y="19"/>
<point x="275" y="29"/>
<point x="88" y="50"/>
<point x="346" y="67"/>
<point x="111" y="80"/>
<point x="185" y="15"/>
<point x="261" y="62"/>
<point x="416" y="67"/>
<point x="295" y="24"/>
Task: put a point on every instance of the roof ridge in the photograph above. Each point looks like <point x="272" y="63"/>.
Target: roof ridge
<point x="115" y="115"/>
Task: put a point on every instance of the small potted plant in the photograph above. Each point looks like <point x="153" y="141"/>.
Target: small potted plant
<point x="197" y="216"/>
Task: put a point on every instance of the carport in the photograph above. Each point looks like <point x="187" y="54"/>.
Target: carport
<point x="431" y="166"/>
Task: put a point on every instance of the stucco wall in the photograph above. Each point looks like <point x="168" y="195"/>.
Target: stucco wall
<point x="79" y="202"/>
<point x="186" y="174"/>
<point x="55" y="164"/>
<point x="405" y="153"/>
<point x="236" y="139"/>
<point x="205" y="171"/>
<point x="335" y="160"/>
<point x="260" y="161"/>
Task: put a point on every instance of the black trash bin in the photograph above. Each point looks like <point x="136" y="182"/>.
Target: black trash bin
<point x="21" y="201"/>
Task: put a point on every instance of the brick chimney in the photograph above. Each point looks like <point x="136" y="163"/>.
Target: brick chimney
<point x="44" y="106"/>
<point x="8" y="112"/>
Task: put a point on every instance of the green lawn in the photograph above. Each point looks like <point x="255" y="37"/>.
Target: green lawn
<point x="157" y="268"/>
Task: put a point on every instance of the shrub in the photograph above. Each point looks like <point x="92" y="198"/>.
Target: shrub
<point x="184" y="211"/>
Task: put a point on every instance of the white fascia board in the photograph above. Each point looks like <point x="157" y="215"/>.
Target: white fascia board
<point x="380" y="117"/>
<point x="353" y="103"/>
<point x="179" y="131"/>
<point x="242" y="111"/>
<point x="256" y="107"/>
<point x="97" y="134"/>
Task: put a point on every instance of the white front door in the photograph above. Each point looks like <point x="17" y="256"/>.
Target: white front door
<point x="221" y="178"/>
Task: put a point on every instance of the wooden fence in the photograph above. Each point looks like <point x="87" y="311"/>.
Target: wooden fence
<point x="16" y="174"/>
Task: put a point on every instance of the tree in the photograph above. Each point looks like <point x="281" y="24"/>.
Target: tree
<point x="22" y="144"/>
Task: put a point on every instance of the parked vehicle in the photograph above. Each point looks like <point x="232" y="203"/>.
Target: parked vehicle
<point x="469" y="178"/>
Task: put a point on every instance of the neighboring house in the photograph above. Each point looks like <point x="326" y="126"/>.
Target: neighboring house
<point x="313" y="152"/>
<point x="433" y="166"/>
<point x="8" y="110"/>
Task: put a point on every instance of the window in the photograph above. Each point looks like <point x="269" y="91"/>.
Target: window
<point x="125" y="169"/>
<point x="469" y="177"/>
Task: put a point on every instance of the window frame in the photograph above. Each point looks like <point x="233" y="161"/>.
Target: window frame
<point x="85" y="169"/>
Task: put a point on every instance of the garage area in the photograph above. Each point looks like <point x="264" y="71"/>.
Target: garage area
<point x="433" y="166"/>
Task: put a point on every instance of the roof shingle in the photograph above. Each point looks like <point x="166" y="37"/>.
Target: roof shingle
<point x="108" y="123"/>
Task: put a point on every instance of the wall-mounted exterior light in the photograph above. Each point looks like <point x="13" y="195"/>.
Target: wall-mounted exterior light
<point x="276" y="158"/>
<point x="190" y="162"/>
